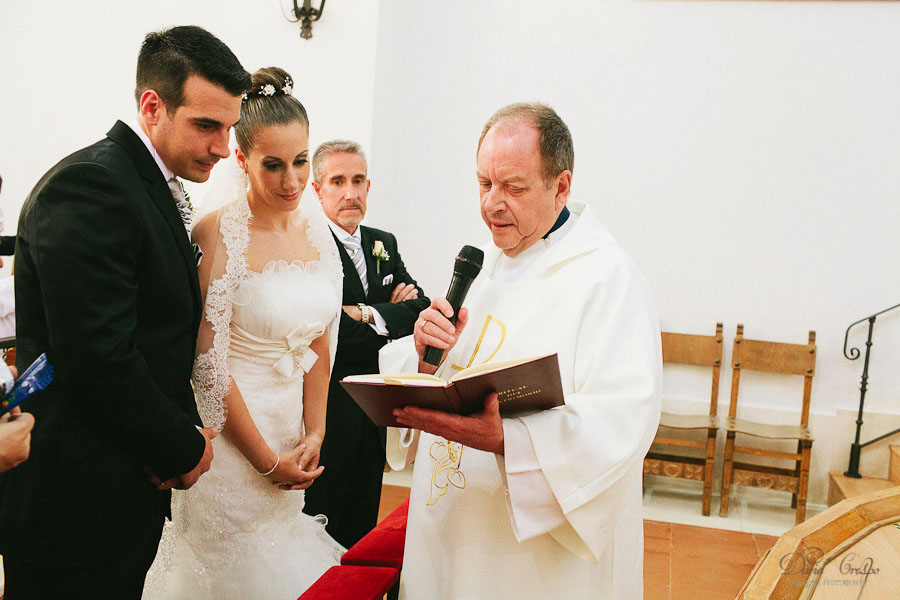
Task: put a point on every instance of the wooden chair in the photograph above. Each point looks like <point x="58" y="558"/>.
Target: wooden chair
<point x="704" y="351"/>
<point x="780" y="358"/>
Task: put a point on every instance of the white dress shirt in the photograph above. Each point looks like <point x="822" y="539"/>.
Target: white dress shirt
<point x="376" y="321"/>
<point x="166" y="171"/>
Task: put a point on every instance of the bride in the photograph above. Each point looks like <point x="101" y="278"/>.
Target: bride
<point x="272" y="299"/>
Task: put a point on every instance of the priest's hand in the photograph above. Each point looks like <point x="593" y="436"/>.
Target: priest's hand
<point x="482" y="431"/>
<point x="433" y="328"/>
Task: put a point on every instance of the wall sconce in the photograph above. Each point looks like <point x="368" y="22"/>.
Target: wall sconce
<point x="307" y="14"/>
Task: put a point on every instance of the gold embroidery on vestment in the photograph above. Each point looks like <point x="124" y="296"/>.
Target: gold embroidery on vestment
<point x="484" y="329"/>
<point x="447" y="457"/>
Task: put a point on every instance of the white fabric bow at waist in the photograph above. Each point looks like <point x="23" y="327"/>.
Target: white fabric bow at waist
<point x="289" y="352"/>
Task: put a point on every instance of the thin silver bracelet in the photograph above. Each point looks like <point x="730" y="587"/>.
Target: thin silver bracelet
<point x="275" y="466"/>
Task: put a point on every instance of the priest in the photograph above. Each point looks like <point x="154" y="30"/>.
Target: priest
<point x="546" y="505"/>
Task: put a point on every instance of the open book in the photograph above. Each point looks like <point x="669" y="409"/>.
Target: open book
<point x="524" y="385"/>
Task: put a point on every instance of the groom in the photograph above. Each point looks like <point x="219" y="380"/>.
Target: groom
<point x="106" y="285"/>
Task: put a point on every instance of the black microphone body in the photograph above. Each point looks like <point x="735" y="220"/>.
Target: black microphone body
<point x="465" y="270"/>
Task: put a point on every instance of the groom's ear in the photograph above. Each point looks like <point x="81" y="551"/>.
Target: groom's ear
<point x="151" y="106"/>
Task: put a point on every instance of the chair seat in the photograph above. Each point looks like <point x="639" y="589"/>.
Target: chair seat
<point x="674" y="421"/>
<point x="352" y="583"/>
<point x="775" y="432"/>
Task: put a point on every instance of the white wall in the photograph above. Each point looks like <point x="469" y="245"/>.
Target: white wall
<point x="67" y="71"/>
<point x="745" y="153"/>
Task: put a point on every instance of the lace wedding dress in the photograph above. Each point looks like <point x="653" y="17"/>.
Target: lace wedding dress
<point x="234" y="534"/>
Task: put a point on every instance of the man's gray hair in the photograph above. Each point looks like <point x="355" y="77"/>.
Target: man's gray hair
<point x="334" y="147"/>
<point x="555" y="142"/>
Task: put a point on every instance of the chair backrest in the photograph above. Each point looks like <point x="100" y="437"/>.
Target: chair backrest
<point x="773" y="357"/>
<point x="700" y="350"/>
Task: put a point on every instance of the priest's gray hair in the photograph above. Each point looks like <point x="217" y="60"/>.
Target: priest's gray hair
<point x="555" y="143"/>
<point x="334" y="147"/>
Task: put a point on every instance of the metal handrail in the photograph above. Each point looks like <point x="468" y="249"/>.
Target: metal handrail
<point x="856" y="447"/>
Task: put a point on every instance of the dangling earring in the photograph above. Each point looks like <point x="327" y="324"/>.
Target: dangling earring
<point x="243" y="169"/>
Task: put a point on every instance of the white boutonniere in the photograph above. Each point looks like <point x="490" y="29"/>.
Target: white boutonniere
<point x="380" y="254"/>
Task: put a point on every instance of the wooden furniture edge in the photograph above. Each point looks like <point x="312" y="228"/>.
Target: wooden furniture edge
<point x="860" y="515"/>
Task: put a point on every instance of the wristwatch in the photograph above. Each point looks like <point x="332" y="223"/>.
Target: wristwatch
<point x="365" y="312"/>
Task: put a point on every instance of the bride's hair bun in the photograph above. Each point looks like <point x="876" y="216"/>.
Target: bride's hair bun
<point x="270" y="101"/>
<point x="271" y="81"/>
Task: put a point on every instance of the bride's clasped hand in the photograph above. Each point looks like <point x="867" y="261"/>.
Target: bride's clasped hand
<point x="297" y="469"/>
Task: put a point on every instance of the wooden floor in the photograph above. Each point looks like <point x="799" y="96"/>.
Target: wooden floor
<point x="392" y="496"/>
<point x="681" y="562"/>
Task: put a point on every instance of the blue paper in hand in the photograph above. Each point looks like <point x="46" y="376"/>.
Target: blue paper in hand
<point x="36" y="377"/>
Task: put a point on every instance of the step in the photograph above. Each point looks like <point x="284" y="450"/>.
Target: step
<point x="841" y="487"/>
<point x="894" y="468"/>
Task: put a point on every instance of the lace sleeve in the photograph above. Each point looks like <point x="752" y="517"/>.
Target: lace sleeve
<point x="211" y="378"/>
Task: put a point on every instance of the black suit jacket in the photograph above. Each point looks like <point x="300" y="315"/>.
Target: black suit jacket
<point x="106" y="285"/>
<point x="358" y="344"/>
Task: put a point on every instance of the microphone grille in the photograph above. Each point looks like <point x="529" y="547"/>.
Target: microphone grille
<point x="472" y="254"/>
<point x="469" y="261"/>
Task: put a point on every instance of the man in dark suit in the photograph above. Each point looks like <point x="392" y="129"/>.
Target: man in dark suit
<point x="106" y="285"/>
<point x="381" y="303"/>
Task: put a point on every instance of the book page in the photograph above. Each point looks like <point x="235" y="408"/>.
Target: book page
<point x="419" y="379"/>
<point x="493" y="366"/>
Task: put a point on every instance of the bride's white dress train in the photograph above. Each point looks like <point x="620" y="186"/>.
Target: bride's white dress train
<point x="234" y="534"/>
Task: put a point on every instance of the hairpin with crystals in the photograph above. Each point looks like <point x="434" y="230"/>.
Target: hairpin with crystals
<point x="269" y="89"/>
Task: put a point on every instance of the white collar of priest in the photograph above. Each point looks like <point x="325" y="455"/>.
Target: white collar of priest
<point x="166" y="171"/>
<point x="509" y="269"/>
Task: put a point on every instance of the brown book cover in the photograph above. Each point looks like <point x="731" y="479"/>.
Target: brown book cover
<point x="523" y="386"/>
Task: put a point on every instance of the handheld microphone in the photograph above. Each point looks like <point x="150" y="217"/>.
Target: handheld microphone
<point x="465" y="270"/>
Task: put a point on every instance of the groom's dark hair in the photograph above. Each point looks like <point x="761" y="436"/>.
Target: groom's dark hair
<point x="167" y="58"/>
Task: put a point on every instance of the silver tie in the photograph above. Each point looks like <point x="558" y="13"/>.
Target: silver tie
<point x="354" y="249"/>
<point x="182" y="203"/>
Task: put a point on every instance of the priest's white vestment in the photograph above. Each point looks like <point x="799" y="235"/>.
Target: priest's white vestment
<point x="559" y="516"/>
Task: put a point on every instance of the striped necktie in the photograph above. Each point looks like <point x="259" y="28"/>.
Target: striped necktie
<point x="182" y="203"/>
<point x="354" y="249"/>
